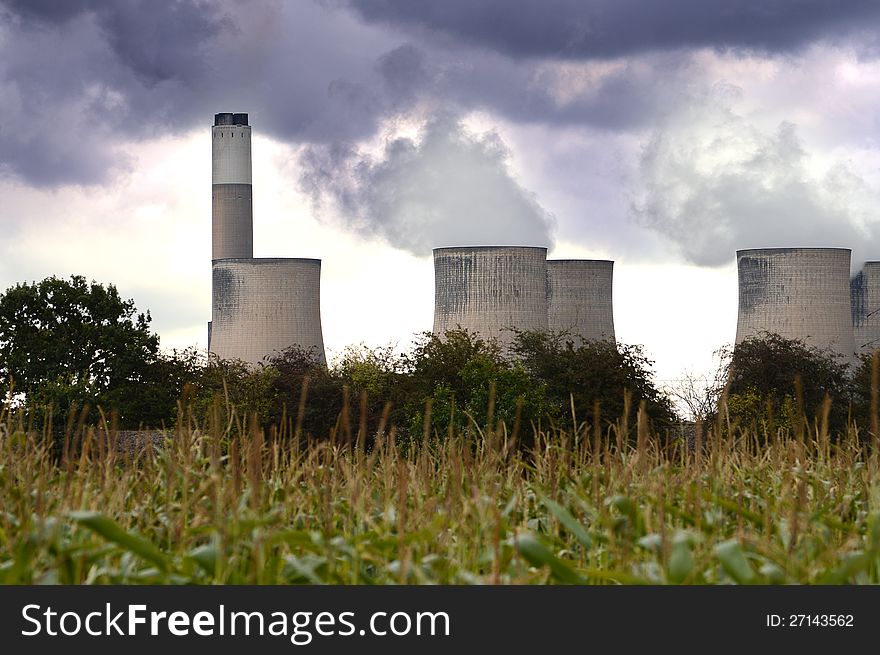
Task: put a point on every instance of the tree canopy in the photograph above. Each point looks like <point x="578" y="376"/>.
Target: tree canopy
<point x="775" y="382"/>
<point x="578" y="373"/>
<point x="70" y="341"/>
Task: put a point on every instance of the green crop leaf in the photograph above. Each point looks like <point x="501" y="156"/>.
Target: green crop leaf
<point x="111" y="531"/>
<point x="850" y="565"/>
<point x="734" y="562"/>
<point x="309" y="568"/>
<point x="681" y="560"/>
<point x="651" y="542"/>
<point x="874" y="528"/>
<point x="206" y="558"/>
<point x="537" y="554"/>
<point x="623" y="504"/>
<point x="568" y="521"/>
<point x="772" y="573"/>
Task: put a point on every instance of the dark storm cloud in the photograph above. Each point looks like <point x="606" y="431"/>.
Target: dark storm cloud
<point x="49" y="10"/>
<point x="576" y="29"/>
<point x="161" y="41"/>
<point x="306" y="72"/>
<point x="623" y="96"/>
<point x="81" y="81"/>
<point x="154" y="38"/>
<point x="79" y="77"/>
<point x="404" y="72"/>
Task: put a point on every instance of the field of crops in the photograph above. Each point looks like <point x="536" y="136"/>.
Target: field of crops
<point x="233" y="505"/>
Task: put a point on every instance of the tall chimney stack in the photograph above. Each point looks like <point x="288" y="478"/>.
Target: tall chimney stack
<point x="232" y="222"/>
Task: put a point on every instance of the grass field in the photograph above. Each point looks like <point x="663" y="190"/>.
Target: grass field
<point x="231" y="505"/>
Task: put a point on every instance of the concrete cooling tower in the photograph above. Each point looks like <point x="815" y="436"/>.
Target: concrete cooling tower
<point x="579" y="297"/>
<point x="798" y="293"/>
<point x="865" y="301"/>
<point x="264" y="305"/>
<point x="488" y="288"/>
<point x="258" y="306"/>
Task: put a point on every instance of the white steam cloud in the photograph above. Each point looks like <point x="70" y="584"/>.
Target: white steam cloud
<point x="448" y="187"/>
<point x="715" y="183"/>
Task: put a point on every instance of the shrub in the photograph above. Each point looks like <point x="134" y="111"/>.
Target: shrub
<point x="777" y="382"/>
<point x="577" y="373"/>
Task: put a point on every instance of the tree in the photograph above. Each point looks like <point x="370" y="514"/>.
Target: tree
<point x="323" y="400"/>
<point x="863" y="387"/>
<point x="204" y="381"/>
<point x="70" y="342"/>
<point x="375" y="379"/>
<point x="584" y="372"/>
<point x="775" y="382"/>
<point x="456" y="372"/>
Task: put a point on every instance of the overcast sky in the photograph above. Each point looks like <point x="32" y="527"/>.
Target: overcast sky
<point x="662" y="135"/>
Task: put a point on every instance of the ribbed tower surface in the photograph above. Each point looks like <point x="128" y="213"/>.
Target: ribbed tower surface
<point x="865" y="300"/>
<point x="579" y="298"/>
<point x="488" y="289"/>
<point x="262" y="306"/>
<point x="798" y="293"/>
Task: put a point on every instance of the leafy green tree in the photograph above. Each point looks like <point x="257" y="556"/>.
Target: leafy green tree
<point x="67" y="342"/>
<point x="375" y="379"/>
<point x="457" y="372"/>
<point x="861" y="384"/>
<point x="323" y="400"/>
<point x="774" y="382"/>
<point x="375" y="371"/>
<point x="583" y="372"/>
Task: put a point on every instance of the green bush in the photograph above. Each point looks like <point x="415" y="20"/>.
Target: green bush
<point x="576" y="374"/>
<point x="459" y="372"/>
<point x="774" y="382"/>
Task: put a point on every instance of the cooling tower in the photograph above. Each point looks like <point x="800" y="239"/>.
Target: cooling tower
<point x="260" y="306"/>
<point x="865" y="300"/>
<point x="798" y="293"/>
<point x="232" y="222"/>
<point x="488" y="288"/>
<point x="579" y="297"/>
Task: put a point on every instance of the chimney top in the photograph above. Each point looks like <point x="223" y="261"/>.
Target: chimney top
<point x="228" y="118"/>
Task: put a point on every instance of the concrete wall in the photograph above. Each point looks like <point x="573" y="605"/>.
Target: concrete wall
<point x="232" y="215"/>
<point x="798" y="293"/>
<point x="865" y="299"/>
<point x="579" y="297"/>
<point x="488" y="288"/>
<point x="260" y="306"/>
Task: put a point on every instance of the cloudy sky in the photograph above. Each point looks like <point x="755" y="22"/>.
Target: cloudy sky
<point x="662" y="135"/>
